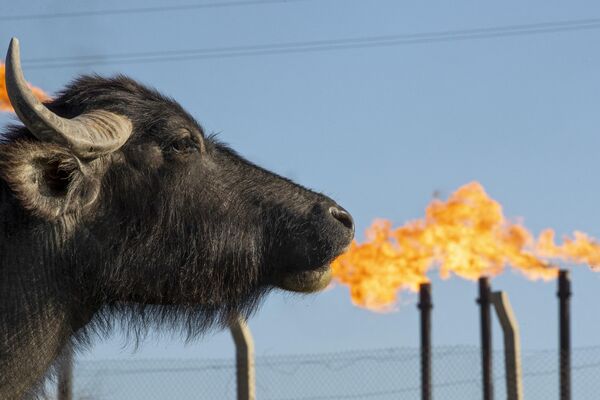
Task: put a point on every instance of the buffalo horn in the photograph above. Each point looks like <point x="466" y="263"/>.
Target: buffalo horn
<point x="89" y="135"/>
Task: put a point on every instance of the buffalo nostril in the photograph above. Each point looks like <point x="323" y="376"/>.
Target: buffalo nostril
<point x="343" y="217"/>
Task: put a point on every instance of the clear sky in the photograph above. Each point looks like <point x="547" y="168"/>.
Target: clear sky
<point x="379" y="129"/>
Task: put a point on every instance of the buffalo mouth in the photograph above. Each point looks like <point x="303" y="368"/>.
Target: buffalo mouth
<point x="305" y="281"/>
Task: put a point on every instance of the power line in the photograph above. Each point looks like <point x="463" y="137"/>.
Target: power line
<point x="360" y="40"/>
<point x="139" y="10"/>
<point x="314" y="46"/>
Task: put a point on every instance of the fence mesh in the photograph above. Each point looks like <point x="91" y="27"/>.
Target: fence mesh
<point x="381" y="374"/>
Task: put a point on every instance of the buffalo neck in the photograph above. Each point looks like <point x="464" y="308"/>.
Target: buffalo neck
<point x="36" y="321"/>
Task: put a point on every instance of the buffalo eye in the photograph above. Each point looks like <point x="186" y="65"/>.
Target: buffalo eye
<point x="183" y="145"/>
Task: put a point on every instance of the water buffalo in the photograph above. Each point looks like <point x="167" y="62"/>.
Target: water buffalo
<point x="116" y="206"/>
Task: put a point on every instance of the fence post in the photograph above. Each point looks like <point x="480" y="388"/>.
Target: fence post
<point x="244" y="354"/>
<point x="512" y="345"/>
<point x="65" y="375"/>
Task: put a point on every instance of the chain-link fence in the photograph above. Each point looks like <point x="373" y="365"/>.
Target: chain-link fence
<point x="382" y="374"/>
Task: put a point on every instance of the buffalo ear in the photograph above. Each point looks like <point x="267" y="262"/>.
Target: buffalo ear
<point x="49" y="180"/>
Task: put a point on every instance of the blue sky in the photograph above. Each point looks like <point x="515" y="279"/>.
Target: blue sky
<point x="378" y="129"/>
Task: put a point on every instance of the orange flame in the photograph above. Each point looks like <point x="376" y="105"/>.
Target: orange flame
<point x="5" y="102"/>
<point x="580" y="249"/>
<point x="467" y="236"/>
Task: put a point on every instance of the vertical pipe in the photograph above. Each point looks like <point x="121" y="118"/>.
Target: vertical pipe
<point x="65" y="375"/>
<point x="564" y="296"/>
<point x="425" y="305"/>
<point x="486" y="338"/>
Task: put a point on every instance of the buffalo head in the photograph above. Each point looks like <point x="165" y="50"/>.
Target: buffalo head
<point x="141" y="196"/>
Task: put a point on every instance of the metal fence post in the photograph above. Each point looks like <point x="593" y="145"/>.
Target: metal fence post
<point x="512" y="345"/>
<point x="65" y="375"/>
<point x="244" y="350"/>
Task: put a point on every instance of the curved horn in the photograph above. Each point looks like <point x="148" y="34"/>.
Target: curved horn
<point x="89" y="135"/>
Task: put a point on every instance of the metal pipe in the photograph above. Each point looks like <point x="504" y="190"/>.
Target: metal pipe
<point x="564" y="296"/>
<point x="425" y="305"/>
<point x="486" y="338"/>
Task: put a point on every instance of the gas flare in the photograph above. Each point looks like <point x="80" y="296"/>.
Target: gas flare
<point x="5" y="102"/>
<point x="467" y="236"/>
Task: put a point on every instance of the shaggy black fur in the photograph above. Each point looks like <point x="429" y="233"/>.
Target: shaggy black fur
<point x="173" y="230"/>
